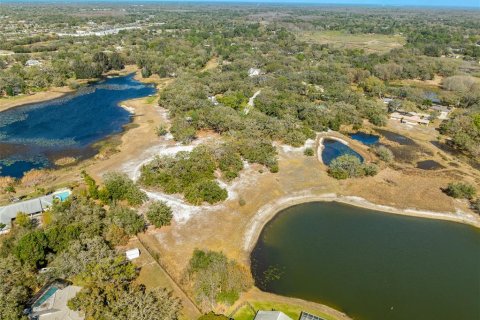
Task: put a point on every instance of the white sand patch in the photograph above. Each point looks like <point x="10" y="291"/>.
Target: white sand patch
<point x="130" y="110"/>
<point x="247" y="177"/>
<point x="309" y="143"/>
<point x="182" y="211"/>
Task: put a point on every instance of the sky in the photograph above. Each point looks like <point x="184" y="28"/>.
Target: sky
<point x="429" y="3"/>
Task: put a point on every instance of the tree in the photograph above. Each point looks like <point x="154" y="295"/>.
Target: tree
<point x="31" y="249"/>
<point x="215" y="278"/>
<point x="127" y="219"/>
<point x="23" y="220"/>
<point x="92" y="187"/>
<point x="119" y="187"/>
<point x="159" y="214"/>
<point x="102" y="60"/>
<point x="116" y="61"/>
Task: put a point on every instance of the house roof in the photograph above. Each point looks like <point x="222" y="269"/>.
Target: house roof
<point x="32" y="206"/>
<point x="271" y="315"/>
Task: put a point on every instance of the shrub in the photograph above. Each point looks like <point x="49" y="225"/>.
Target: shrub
<point x="230" y="162"/>
<point x="161" y="130"/>
<point x="159" y="214"/>
<point x="384" y="153"/>
<point x="346" y="166"/>
<point x="309" y="152"/>
<point x="205" y="190"/>
<point x="475" y="206"/>
<point x="213" y="316"/>
<point x="370" y="170"/>
<point x="460" y="190"/>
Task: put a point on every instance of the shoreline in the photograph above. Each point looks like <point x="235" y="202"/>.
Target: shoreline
<point x="269" y="211"/>
<point x="59" y="92"/>
<point x="37" y="97"/>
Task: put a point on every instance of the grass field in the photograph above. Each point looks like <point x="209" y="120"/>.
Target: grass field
<point x="378" y="43"/>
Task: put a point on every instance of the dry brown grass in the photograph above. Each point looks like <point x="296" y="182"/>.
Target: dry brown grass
<point x="35" y="177"/>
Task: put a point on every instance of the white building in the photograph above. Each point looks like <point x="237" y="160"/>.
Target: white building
<point x="132" y="254"/>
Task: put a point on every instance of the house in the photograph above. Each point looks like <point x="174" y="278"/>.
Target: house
<point x="50" y="303"/>
<point x="443" y="110"/>
<point x="412" y="118"/>
<point x="271" y="315"/>
<point x="132" y="254"/>
<point x="32" y="62"/>
<point x="31" y="207"/>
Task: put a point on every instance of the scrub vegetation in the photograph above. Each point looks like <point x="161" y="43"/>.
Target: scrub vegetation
<point x="254" y="78"/>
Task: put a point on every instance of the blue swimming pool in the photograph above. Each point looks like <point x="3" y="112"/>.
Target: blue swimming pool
<point x="50" y="292"/>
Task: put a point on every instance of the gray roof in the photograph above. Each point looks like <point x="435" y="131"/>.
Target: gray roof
<point x="33" y="206"/>
<point x="271" y="315"/>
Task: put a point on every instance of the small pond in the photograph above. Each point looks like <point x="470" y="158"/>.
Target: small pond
<point x="395" y="137"/>
<point x="365" y="138"/>
<point x="429" y="165"/>
<point x="371" y="265"/>
<point x="333" y="149"/>
<point x="35" y="135"/>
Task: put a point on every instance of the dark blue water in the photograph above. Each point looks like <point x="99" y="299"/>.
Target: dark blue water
<point x="34" y="136"/>
<point x="365" y="138"/>
<point x="334" y="149"/>
<point x="371" y="265"/>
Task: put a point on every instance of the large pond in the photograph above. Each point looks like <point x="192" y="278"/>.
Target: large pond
<point x="333" y="149"/>
<point x="371" y="265"/>
<point x="35" y="135"/>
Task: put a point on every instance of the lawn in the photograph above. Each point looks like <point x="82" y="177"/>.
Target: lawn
<point x="293" y="311"/>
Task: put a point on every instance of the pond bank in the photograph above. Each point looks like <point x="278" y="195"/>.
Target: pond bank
<point x="270" y="210"/>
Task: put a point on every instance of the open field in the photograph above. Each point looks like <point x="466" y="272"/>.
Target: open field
<point x="371" y="43"/>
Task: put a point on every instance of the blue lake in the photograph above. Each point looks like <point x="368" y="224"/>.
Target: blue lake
<point x="365" y="138"/>
<point x="34" y="136"/>
<point x="334" y="149"/>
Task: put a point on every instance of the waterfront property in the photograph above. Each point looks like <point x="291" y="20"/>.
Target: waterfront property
<point x="32" y="207"/>
<point x="50" y="302"/>
<point x="411" y="118"/>
<point x="371" y="265"/>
